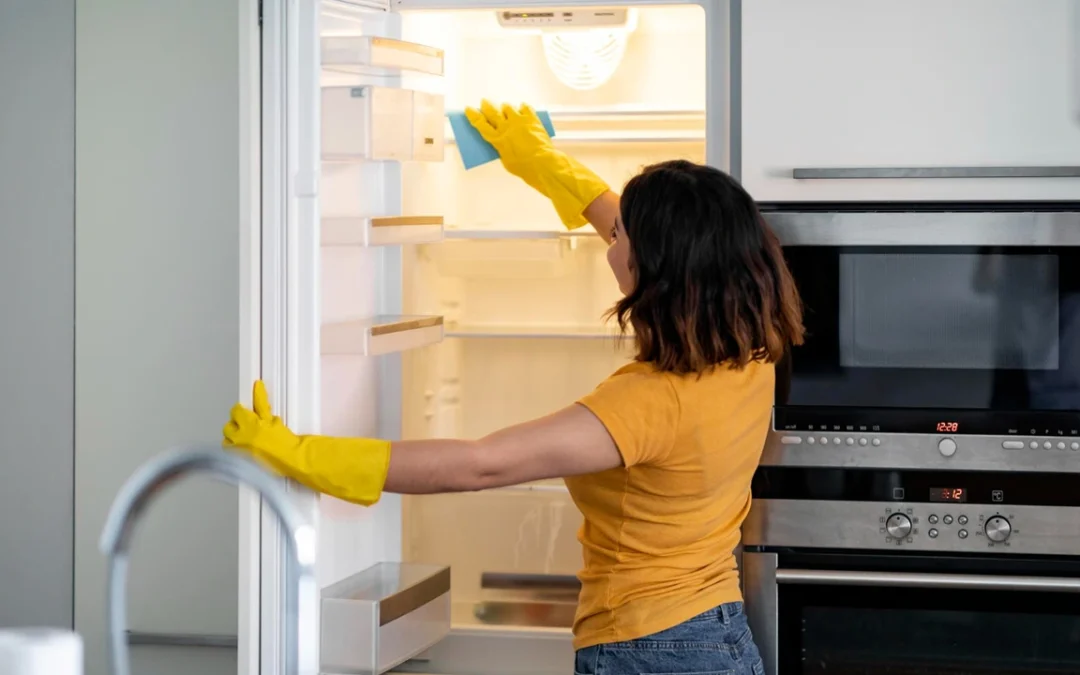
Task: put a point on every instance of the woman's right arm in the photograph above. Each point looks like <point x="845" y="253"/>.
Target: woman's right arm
<point x="601" y="213"/>
<point x="578" y="194"/>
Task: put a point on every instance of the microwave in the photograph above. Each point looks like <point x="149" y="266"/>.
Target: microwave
<point x="939" y="336"/>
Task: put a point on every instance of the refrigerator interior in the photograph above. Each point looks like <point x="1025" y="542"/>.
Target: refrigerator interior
<point x="523" y="304"/>
<point x="504" y="308"/>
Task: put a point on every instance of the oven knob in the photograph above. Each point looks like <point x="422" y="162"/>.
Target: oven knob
<point x="947" y="447"/>
<point x="997" y="529"/>
<point x="898" y="526"/>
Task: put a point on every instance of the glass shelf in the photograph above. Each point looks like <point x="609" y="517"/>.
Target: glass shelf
<point x="473" y="234"/>
<point x="598" y="332"/>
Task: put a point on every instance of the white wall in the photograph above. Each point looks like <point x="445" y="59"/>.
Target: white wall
<point x="37" y="310"/>
<point x="157" y="300"/>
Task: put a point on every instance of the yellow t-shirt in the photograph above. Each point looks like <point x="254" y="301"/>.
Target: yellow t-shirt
<point x="660" y="532"/>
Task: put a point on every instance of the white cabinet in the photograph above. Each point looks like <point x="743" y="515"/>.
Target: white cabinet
<point x="945" y="87"/>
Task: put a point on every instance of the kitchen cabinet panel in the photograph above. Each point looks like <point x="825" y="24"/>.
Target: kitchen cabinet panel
<point x="986" y="85"/>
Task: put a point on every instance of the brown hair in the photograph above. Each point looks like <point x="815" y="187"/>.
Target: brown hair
<point x="711" y="282"/>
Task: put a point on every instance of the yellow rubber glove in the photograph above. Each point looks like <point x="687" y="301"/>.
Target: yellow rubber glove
<point x="353" y="469"/>
<point x="527" y="152"/>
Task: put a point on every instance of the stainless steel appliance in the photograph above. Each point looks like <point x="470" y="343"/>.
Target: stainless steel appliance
<point x="943" y="336"/>
<point x="918" y="505"/>
<point x="965" y="572"/>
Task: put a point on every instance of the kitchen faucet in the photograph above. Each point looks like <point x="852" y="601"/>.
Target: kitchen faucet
<point x="301" y="618"/>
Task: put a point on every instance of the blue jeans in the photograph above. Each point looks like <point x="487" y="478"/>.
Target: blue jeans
<point x="717" y="642"/>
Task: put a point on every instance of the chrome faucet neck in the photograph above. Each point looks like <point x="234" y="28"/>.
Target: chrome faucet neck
<point x="145" y="484"/>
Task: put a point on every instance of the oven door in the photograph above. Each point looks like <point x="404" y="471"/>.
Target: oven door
<point x="854" y="614"/>
<point x="929" y="321"/>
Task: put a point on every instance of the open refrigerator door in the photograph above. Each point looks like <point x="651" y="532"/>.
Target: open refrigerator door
<point x="404" y="297"/>
<point x="333" y="142"/>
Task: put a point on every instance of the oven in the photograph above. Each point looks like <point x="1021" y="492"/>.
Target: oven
<point x="917" y="507"/>
<point x="938" y="336"/>
<point x="970" y="573"/>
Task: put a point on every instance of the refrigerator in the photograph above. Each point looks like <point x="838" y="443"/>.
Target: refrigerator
<point x="396" y="295"/>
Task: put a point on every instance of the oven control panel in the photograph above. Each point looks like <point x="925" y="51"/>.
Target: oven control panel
<point x="902" y="525"/>
<point x="922" y="451"/>
<point x="919" y="527"/>
<point x="946" y="445"/>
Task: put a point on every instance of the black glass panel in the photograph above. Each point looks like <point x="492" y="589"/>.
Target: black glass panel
<point x="889" y="631"/>
<point x="937" y="327"/>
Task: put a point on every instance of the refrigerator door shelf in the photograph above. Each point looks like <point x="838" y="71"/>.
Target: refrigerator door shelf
<point x="380" y="335"/>
<point x="380" y="56"/>
<point x="383" y="616"/>
<point x="384" y="231"/>
<point x="382" y="124"/>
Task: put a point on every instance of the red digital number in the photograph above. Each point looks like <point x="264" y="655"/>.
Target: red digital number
<point x="948" y="427"/>
<point x="958" y="494"/>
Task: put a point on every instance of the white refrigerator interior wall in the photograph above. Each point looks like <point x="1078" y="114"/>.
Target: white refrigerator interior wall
<point x="157" y="301"/>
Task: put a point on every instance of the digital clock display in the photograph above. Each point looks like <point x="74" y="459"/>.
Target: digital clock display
<point x="954" y="495"/>
<point x="948" y="427"/>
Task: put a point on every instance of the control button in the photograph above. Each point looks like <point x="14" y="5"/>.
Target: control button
<point x="824" y="441"/>
<point x="837" y="440"/>
<point x="1061" y="445"/>
<point x="791" y="440"/>
<point x="962" y="534"/>
<point x="932" y="519"/>
<point x="947" y="447"/>
<point x="876" y="441"/>
<point x="862" y="441"/>
<point x="933" y="533"/>
<point x="1047" y="445"/>
<point x="1013" y="445"/>
<point x="947" y="520"/>
<point x="811" y="440"/>
<point x="997" y="529"/>
<point x="1034" y="445"/>
<point x="1075" y="446"/>
<point x="963" y="520"/>
<point x="851" y="441"/>
<point x="898" y="526"/>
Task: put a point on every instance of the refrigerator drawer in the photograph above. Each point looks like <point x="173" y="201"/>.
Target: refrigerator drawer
<point x="383" y="616"/>
<point x="382" y="124"/>
<point x="366" y="55"/>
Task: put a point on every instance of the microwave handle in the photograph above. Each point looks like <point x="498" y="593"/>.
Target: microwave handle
<point x="938" y="172"/>
<point x="915" y="580"/>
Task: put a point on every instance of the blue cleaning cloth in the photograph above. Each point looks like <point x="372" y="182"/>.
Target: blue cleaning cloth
<point x="474" y="149"/>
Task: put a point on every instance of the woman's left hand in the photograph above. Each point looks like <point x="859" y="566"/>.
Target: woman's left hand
<point x="352" y="469"/>
<point x="258" y="430"/>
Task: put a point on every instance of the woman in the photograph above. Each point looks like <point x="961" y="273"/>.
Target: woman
<point x="659" y="456"/>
